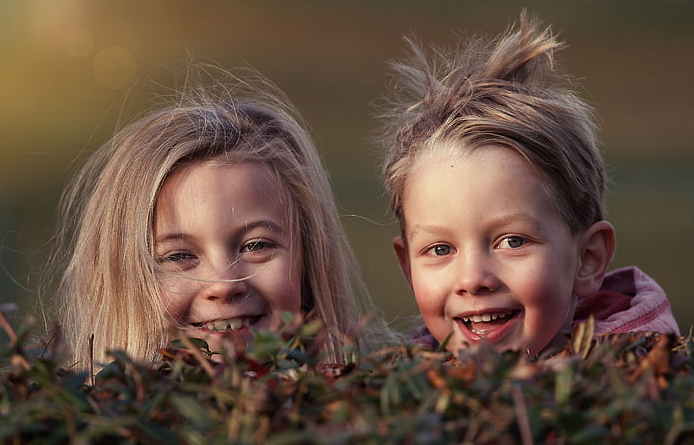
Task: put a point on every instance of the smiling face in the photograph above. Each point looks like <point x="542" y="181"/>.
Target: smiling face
<point x="486" y="252"/>
<point x="229" y="258"/>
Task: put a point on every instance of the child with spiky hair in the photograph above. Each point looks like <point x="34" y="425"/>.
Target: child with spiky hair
<point x="493" y="170"/>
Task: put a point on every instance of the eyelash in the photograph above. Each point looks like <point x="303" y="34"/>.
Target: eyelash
<point x="176" y="257"/>
<point x="432" y="250"/>
<point x="252" y="246"/>
<point x="506" y="239"/>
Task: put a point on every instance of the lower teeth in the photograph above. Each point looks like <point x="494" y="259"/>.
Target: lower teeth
<point x="478" y="332"/>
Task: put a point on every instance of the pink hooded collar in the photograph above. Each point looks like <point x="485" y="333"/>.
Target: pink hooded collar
<point x="629" y="300"/>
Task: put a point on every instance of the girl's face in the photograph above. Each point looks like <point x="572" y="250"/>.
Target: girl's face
<point x="486" y="252"/>
<point x="230" y="259"/>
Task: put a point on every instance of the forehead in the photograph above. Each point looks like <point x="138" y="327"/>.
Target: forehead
<point x="489" y="181"/>
<point x="463" y="150"/>
<point x="479" y="164"/>
<point x="210" y="187"/>
<point x="208" y="175"/>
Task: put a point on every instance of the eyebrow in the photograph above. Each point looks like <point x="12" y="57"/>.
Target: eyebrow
<point x="249" y="225"/>
<point x="427" y="228"/>
<point x="525" y="217"/>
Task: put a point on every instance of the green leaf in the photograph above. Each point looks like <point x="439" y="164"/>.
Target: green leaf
<point x="190" y="408"/>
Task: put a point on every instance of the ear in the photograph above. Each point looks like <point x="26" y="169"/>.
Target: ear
<point x="400" y="246"/>
<point x="596" y="250"/>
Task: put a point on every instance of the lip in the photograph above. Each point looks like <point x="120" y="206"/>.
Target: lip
<point x="495" y="335"/>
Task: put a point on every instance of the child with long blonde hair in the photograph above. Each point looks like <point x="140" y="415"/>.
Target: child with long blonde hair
<point x="214" y="215"/>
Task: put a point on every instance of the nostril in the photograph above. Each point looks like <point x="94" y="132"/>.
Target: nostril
<point x="225" y="289"/>
<point x="479" y="285"/>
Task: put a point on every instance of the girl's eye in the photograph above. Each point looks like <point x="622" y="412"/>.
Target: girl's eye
<point x="439" y="250"/>
<point x="177" y="261"/>
<point x="512" y="242"/>
<point x="257" y="246"/>
<point x="177" y="257"/>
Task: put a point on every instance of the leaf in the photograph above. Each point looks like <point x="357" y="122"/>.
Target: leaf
<point x="190" y="408"/>
<point x="636" y="387"/>
<point x="583" y="337"/>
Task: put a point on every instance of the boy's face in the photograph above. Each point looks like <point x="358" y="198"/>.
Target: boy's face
<point x="486" y="252"/>
<point x="229" y="257"/>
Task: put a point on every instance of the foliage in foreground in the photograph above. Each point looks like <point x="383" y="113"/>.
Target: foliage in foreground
<point x="629" y="388"/>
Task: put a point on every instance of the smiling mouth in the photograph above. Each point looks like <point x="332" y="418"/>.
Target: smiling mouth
<point x="482" y="324"/>
<point x="229" y="324"/>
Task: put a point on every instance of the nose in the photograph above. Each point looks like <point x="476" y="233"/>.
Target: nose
<point x="225" y="282"/>
<point x="475" y="274"/>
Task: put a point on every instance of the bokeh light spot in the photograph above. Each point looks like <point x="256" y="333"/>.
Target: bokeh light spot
<point x="114" y="67"/>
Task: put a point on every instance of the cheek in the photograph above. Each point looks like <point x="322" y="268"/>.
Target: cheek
<point x="176" y="294"/>
<point x="548" y="305"/>
<point x="431" y="304"/>
<point x="543" y="284"/>
<point x="285" y="289"/>
<point x="545" y="299"/>
<point x="428" y="295"/>
<point x="288" y="297"/>
<point x="282" y="293"/>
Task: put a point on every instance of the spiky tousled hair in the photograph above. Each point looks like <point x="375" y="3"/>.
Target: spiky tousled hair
<point x="506" y="92"/>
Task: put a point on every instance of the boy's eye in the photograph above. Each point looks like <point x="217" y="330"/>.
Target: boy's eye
<point x="440" y="250"/>
<point x="512" y="242"/>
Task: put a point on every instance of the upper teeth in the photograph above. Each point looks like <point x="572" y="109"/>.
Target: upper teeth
<point x="231" y="324"/>
<point x="480" y="318"/>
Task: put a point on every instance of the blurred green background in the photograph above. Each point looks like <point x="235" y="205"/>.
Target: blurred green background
<point x="66" y="67"/>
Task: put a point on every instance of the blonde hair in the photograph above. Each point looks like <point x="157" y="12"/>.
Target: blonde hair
<point x="109" y="286"/>
<point x="503" y="92"/>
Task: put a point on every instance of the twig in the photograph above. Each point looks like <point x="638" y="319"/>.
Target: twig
<point x="91" y="360"/>
<point x="522" y="416"/>
<point x="7" y="327"/>
<point x="198" y="355"/>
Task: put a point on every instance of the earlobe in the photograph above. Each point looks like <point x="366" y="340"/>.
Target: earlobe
<point x="597" y="248"/>
<point x="400" y="246"/>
